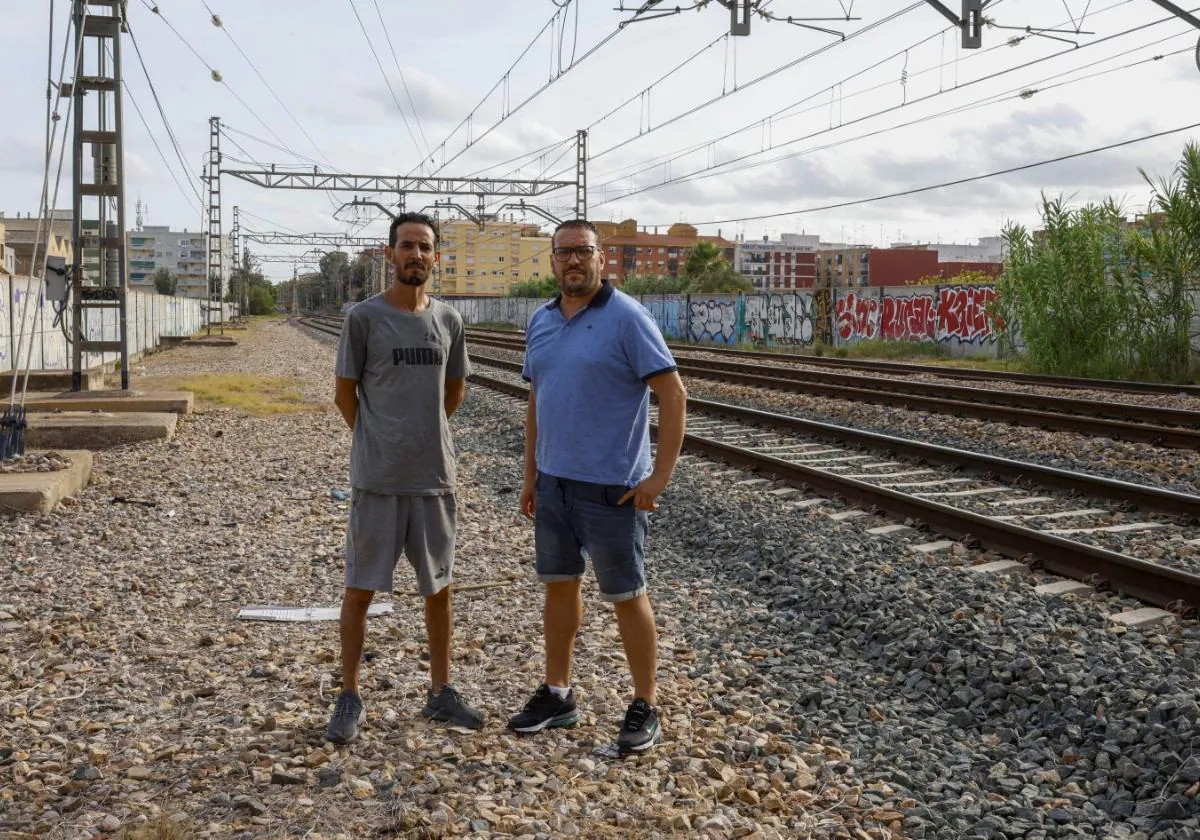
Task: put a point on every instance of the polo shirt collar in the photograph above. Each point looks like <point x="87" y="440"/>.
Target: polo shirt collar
<point x="598" y="300"/>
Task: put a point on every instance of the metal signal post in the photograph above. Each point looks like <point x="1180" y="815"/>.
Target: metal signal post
<point x="98" y="277"/>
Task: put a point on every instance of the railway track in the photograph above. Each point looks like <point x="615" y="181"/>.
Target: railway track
<point x="1170" y="427"/>
<point x="913" y="369"/>
<point x="795" y="451"/>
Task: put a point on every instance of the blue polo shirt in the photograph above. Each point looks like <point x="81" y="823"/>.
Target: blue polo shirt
<point x="589" y="377"/>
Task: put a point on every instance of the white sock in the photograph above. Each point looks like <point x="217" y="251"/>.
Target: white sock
<point x="560" y="692"/>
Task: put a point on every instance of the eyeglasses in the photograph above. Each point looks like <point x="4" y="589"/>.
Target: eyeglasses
<point x="584" y="252"/>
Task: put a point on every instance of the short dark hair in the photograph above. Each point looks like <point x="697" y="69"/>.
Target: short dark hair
<point x="576" y="223"/>
<point x="416" y="219"/>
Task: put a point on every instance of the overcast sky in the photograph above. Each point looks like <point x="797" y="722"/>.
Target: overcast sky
<point x="895" y="107"/>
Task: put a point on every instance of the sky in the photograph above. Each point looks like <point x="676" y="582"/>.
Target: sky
<point x="685" y="122"/>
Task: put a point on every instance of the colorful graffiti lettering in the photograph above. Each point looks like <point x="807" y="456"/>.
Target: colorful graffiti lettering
<point x="794" y="318"/>
<point x="713" y="320"/>
<point x="857" y="317"/>
<point x="911" y="318"/>
<point x="963" y="314"/>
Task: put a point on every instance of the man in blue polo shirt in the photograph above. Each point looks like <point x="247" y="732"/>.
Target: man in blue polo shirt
<point x="592" y="356"/>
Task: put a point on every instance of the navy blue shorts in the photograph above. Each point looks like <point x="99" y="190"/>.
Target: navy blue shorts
<point x="578" y="519"/>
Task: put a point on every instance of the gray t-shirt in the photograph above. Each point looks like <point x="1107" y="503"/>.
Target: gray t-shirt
<point x="402" y="442"/>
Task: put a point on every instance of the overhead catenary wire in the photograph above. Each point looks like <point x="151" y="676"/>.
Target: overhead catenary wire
<point x="403" y="81"/>
<point x="732" y="165"/>
<point x="554" y="78"/>
<point x="220" y="23"/>
<point x="956" y="182"/>
<point x="424" y="153"/>
<point x="761" y="78"/>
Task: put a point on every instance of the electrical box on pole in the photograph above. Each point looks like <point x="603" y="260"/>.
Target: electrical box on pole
<point x="98" y="278"/>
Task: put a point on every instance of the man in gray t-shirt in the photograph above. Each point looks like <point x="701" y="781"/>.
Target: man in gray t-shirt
<point x="401" y="372"/>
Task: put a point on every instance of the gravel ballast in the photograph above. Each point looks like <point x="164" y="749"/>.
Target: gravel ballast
<point x="816" y="681"/>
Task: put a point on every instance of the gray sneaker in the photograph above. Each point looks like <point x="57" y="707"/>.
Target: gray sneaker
<point x="348" y="715"/>
<point x="448" y="707"/>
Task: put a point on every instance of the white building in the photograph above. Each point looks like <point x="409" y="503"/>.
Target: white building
<point x="181" y="252"/>
<point x="989" y="250"/>
<point x="786" y="263"/>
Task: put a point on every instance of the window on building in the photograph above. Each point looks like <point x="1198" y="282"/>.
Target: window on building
<point x="612" y="262"/>
<point x="500" y="259"/>
<point x="470" y="272"/>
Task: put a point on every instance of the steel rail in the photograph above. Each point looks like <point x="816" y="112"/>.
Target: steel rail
<point x="1148" y="582"/>
<point x="1040" y="402"/>
<point x="1139" y="496"/>
<point x="914" y="369"/>
<point x="740" y="374"/>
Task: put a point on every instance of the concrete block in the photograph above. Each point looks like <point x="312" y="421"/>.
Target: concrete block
<point x="41" y="492"/>
<point x="176" y="402"/>
<point x="941" y="482"/>
<point x="1064" y="587"/>
<point x="808" y="503"/>
<point x="999" y="568"/>
<point x="963" y="494"/>
<point x="905" y="474"/>
<point x="1144" y="617"/>
<point x="933" y="547"/>
<point x="843" y="515"/>
<point x="1028" y="500"/>
<point x="884" y="530"/>
<point x="52" y="380"/>
<point x="753" y="482"/>
<point x="97" y="429"/>
<point x="1066" y="514"/>
<point x="1124" y="527"/>
<point x="783" y="492"/>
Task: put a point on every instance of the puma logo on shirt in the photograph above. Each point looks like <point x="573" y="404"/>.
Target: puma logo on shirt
<point x="416" y="355"/>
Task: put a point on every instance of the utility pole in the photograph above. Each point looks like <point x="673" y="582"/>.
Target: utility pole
<point x="581" y="173"/>
<point x="216" y="251"/>
<point x="98" y="134"/>
<point x="243" y="296"/>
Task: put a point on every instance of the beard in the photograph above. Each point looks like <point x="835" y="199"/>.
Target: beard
<point x="575" y="284"/>
<point x="412" y="276"/>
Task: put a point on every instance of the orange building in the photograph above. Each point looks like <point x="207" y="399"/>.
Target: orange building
<point x="630" y="251"/>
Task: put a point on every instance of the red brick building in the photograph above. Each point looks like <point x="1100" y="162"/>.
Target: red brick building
<point x="630" y="251"/>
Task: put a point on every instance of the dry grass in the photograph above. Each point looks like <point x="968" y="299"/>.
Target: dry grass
<point x="161" y="829"/>
<point x="254" y="394"/>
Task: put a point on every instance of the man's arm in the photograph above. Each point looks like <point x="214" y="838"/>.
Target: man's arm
<point x="672" y="422"/>
<point x="529" y="487"/>
<point x="345" y="397"/>
<point x="456" y="392"/>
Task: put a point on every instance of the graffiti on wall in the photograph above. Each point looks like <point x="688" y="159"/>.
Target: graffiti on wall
<point x="963" y="314"/>
<point x="944" y="313"/>
<point x="789" y="318"/>
<point x="714" y="320"/>
<point x="857" y="317"/>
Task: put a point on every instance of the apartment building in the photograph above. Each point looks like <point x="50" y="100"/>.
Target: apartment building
<point x="630" y="251"/>
<point x="492" y="259"/>
<point x="181" y="252"/>
<point x="18" y="240"/>
<point x="789" y="262"/>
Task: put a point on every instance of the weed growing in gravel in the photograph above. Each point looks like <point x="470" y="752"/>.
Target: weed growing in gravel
<point x="162" y="829"/>
<point x="252" y="393"/>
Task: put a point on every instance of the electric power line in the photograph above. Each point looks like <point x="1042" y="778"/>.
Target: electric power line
<point x="958" y="181"/>
<point x="712" y="171"/>
<point x="408" y="93"/>
<point x="423" y="153"/>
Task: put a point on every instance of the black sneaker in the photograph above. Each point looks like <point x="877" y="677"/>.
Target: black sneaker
<point x="348" y="715"/>
<point x="641" y="728"/>
<point x="545" y="710"/>
<point x="449" y="707"/>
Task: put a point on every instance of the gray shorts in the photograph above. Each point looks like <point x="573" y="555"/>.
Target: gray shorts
<point x="383" y="527"/>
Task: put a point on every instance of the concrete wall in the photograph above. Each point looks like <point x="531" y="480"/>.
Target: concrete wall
<point x="952" y="315"/>
<point x="149" y="317"/>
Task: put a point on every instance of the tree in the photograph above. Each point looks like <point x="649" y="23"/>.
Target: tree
<point x="165" y="283"/>
<point x="654" y="284"/>
<point x="707" y="271"/>
<point x="543" y="287"/>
